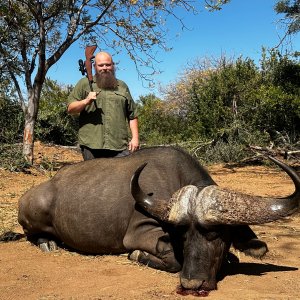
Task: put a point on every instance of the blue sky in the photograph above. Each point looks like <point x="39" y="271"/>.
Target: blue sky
<point x="242" y="27"/>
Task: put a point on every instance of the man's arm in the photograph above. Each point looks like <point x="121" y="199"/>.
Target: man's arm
<point x="78" y="106"/>
<point x="134" y="128"/>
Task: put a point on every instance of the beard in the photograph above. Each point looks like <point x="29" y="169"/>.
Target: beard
<point x="106" y="80"/>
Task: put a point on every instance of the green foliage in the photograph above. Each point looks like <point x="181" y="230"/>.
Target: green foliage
<point x="11" y="121"/>
<point x="158" y="124"/>
<point x="47" y="164"/>
<point x="222" y="100"/>
<point x="279" y="95"/>
<point x="213" y="5"/>
<point x="54" y="125"/>
<point x="217" y="113"/>
<point x="278" y="112"/>
<point x="229" y="151"/>
<point x="34" y="35"/>
<point x="11" y="130"/>
<point x="281" y="71"/>
<point x="232" y="145"/>
<point x="291" y="11"/>
<point x="11" y="157"/>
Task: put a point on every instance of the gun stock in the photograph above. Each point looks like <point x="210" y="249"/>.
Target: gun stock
<point x="89" y="56"/>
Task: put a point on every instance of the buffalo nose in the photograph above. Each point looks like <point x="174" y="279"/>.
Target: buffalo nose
<point x="198" y="284"/>
<point x="191" y="284"/>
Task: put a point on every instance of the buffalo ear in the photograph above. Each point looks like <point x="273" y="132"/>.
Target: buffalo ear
<point x="135" y="188"/>
<point x="155" y="207"/>
<point x="170" y="210"/>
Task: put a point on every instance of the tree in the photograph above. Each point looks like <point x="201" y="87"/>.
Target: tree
<point x="54" y="125"/>
<point x="279" y="95"/>
<point x="215" y="4"/>
<point x="158" y="122"/>
<point x="291" y="19"/>
<point x="11" y="129"/>
<point x="11" y="118"/>
<point x="34" y="35"/>
<point x="225" y="98"/>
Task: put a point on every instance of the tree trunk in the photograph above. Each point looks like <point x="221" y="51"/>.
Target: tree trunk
<point x="28" y="140"/>
<point x="30" y="120"/>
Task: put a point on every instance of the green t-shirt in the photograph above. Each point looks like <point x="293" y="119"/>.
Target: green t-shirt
<point x="104" y="123"/>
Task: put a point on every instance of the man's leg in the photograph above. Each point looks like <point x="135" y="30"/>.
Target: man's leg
<point x="87" y="154"/>
<point x="122" y="153"/>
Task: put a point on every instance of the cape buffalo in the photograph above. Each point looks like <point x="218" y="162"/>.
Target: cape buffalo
<point x="157" y="204"/>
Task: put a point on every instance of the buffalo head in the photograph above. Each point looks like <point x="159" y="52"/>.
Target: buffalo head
<point x="204" y="220"/>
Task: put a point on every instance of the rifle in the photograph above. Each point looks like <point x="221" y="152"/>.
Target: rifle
<point x="86" y="67"/>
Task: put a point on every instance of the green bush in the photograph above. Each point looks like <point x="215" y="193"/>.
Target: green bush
<point x="11" y="157"/>
<point x="11" y="121"/>
<point x="54" y="125"/>
<point x="235" y="104"/>
<point x="11" y="135"/>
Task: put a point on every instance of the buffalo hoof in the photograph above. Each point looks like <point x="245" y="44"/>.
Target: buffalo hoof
<point x="254" y="247"/>
<point x="168" y="264"/>
<point x="135" y="255"/>
<point x="232" y="259"/>
<point x="46" y="245"/>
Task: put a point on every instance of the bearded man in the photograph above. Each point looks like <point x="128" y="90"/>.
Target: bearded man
<point x="105" y="113"/>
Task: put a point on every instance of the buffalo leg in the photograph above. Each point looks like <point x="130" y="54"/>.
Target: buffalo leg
<point x="45" y="242"/>
<point x="165" y="259"/>
<point x="46" y="245"/>
<point x="149" y="244"/>
<point x="245" y="240"/>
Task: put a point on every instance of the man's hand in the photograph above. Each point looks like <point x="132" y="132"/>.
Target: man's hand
<point x="90" y="98"/>
<point x="78" y="106"/>
<point x="133" y="145"/>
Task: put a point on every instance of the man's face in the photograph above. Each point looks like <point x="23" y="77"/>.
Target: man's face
<point x="103" y="64"/>
<point x="105" y="72"/>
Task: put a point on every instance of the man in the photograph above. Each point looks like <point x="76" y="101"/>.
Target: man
<point x="105" y="113"/>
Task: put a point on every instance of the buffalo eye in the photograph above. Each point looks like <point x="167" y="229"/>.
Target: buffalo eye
<point x="209" y="232"/>
<point x="212" y="235"/>
<point x="181" y="230"/>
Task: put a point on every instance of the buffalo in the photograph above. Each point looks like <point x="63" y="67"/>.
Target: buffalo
<point x="159" y="205"/>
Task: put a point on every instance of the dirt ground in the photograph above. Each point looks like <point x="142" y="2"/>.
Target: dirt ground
<point x="27" y="273"/>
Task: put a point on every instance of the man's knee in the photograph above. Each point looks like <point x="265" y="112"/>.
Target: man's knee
<point x="86" y="153"/>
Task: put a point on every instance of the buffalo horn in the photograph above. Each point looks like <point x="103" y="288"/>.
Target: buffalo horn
<point x="215" y="205"/>
<point x="161" y="208"/>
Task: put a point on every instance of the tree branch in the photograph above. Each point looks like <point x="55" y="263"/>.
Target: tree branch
<point x="18" y="89"/>
<point x="73" y="25"/>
